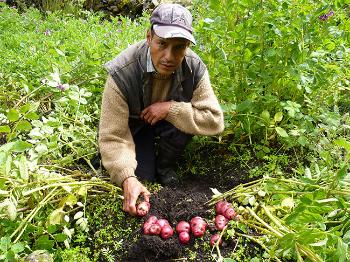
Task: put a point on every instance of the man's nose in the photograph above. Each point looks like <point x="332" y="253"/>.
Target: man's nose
<point x="168" y="54"/>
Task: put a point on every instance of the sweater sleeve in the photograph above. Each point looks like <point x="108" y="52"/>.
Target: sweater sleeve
<point x="116" y="144"/>
<point x="202" y="116"/>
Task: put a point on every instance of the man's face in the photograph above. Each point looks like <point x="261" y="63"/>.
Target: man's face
<point x="167" y="54"/>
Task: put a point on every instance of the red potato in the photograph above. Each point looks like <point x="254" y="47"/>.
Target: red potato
<point x="155" y="229"/>
<point x="151" y="220"/>
<point x="162" y="222"/>
<point x="220" y="222"/>
<point x="196" y="220"/>
<point x="183" y="226"/>
<point x="214" y="239"/>
<point x="184" y="237"/>
<point x="142" y="208"/>
<point x="146" y="227"/>
<point x="199" y="230"/>
<point x="230" y="213"/>
<point x="221" y="207"/>
<point x="166" y="232"/>
<point x="198" y="226"/>
<point x="148" y="223"/>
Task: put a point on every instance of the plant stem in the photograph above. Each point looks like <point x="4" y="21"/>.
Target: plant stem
<point x="80" y="183"/>
<point x="275" y="220"/>
<point x="279" y="234"/>
<point x="258" y="242"/>
<point x="21" y="228"/>
<point x="309" y="253"/>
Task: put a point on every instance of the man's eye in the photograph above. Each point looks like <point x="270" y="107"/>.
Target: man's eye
<point x="180" y="47"/>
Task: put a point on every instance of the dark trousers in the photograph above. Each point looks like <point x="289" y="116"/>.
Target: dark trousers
<point x="156" y="146"/>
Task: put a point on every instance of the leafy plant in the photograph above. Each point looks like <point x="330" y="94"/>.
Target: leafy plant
<point x="274" y="60"/>
<point x="296" y="218"/>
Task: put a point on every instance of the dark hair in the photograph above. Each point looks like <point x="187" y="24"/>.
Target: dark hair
<point x="152" y="31"/>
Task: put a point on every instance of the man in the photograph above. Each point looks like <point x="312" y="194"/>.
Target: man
<point x="157" y="96"/>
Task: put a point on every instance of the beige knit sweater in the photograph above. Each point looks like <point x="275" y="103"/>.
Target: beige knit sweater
<point x="201" y="116"/>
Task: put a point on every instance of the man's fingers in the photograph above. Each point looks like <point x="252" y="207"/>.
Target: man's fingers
<point x="146" y="116"/>
<point x="146" y="195"/>
<point x="144" y="112"/>
<point x="125" y="202"/>
<point x="154" y="121"/>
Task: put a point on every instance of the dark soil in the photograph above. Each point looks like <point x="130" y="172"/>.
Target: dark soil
<point x="175" y="204"/>
<point x="182" y="202"/>
<point x="208" y="166"/>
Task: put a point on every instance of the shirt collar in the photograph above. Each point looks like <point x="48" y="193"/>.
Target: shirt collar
<point x="150" y="67"/>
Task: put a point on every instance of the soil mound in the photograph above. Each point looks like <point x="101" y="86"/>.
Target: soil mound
<point x="181" y="202"/>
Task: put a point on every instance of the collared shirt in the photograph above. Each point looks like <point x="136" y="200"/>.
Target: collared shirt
<point x="150" y="67"/>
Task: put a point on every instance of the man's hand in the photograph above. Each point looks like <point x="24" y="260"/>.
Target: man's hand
<point x="132" y="189"/>
<point x="155" y="112"/>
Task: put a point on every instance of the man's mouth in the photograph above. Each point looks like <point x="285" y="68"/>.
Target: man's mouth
<point x="168" y="66"/>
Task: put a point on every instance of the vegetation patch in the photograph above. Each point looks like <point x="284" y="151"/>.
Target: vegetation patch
<point x="280" y="71"/>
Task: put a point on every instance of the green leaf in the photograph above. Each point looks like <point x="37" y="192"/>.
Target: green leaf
<point x="41" y="149"/>
<point x="341" y="252"/>
<point x="23" y="168"/>
<point x="320" y="243"/>
<point x="5" y="243"/>
<point x="8" y="165"/>
<point x="287" y="240"/>
<point x="24" y="109"/>
<point x="56" y="217"/>
<point x="32" y="116"/>
<point x="5" y="129"/>
<point x="11" y="210"/>
<point x="17" y="248"/>
<point x="59" y="52"/>
<point x="244" y="106"/>
<point x="43" y="242"/>
<point x="82" y="191"/>
<point x="278" y="117"/>
<point x="343" y="143"/>
<point x="52" y="228"/>
<point x="311" y="236"/>
<point x="7" y="147"/>
<point x="23" y="125"/>
<point x="21" y="146"/>
<point x="346" y="237"/>
<point x="60" y="237"/>
<point x="69" y="200"/>
<point x="342" y="172"/>
<point x="10" y="256"/>
<point x="13" y="115"/>
<point x="281" y="131"/>
<point x="266" y="116"/>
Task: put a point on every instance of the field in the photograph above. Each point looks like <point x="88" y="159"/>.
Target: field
<point x="280" y="69"/>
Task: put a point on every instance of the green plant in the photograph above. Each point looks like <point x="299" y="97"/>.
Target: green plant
<point x="295" y="218"/>
<point x="274" y="65"/>
<point x="40" y="207"/>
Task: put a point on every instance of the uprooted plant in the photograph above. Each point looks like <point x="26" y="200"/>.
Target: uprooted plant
<point x="294" y="218"/>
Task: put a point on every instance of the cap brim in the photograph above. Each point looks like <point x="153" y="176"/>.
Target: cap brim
<point x="168" y="31"/>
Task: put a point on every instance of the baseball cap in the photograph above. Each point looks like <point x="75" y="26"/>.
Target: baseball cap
<point x="172" y="20"/>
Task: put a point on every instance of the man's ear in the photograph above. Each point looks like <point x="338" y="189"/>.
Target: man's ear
<point x="149" y="36"/>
